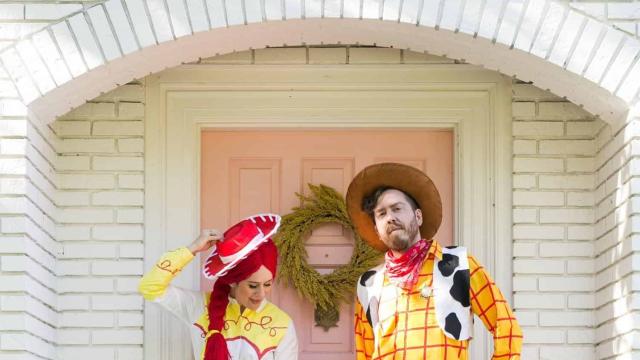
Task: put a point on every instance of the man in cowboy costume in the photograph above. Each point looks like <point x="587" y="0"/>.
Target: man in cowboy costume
<point x="420" y="303"/>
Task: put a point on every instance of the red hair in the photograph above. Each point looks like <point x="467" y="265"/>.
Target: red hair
<point x="267" y="255"/>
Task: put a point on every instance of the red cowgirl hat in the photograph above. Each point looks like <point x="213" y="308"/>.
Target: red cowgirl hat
<point x="238" y="242"/>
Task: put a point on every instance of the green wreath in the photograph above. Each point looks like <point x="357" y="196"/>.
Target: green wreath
<point x="326" y="292"/>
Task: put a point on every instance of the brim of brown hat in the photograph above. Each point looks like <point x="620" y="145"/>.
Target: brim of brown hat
<point x="399" y="176"/>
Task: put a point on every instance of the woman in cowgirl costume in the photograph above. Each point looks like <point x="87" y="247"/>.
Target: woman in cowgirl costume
<point x="234" y="320"/>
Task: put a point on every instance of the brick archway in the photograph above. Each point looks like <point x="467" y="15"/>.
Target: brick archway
<point x="548" y="43"/>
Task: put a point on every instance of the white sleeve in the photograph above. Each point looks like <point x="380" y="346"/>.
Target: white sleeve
<point x="187" y="305"/>
<point x="288" y="347"/>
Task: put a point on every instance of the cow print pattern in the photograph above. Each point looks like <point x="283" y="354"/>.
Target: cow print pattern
<point x="448" y="264"/>
<point x="452" y="325"/>
<point x="460" y="288"/>
<point x="451" y="286"/>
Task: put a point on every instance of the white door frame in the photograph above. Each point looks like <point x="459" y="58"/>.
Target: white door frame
<point x="180" y="102"/>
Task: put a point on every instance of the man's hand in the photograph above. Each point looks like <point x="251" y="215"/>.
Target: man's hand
<point x="204" y="242"/>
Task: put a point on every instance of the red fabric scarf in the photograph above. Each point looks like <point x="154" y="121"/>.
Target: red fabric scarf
<point x="267" y="255"/>
<point x="405" y="269"/>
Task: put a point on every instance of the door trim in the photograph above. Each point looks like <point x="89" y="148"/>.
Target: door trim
<point x="180" y="103"/>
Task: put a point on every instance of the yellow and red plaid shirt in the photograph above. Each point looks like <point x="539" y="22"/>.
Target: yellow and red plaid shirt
<point x="412" y="331"/>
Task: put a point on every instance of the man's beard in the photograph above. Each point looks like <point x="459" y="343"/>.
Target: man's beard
<point x="402" y="239"/>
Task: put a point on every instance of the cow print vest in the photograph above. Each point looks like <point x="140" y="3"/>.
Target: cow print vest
<point x="450" y="292"/>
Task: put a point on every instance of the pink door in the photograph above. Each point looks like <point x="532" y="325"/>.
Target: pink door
<point x="250" y="172"/>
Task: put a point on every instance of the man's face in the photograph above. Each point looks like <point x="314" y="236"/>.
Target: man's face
<point x="397" y="224"/>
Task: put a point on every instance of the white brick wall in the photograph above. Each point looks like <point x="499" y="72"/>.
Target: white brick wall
<point x="554" y="284"/>
<point x="100" y="226"/>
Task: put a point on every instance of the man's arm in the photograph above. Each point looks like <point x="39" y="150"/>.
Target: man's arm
<point x="490" y="306"/>
<point x="364" y="334"/>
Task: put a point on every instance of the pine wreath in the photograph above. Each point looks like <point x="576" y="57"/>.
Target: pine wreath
<point x="326" y="292"/>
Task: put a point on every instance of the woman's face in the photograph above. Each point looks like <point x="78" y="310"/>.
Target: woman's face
<point x="251" y="291"/>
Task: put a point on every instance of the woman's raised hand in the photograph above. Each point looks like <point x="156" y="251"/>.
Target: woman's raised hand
<point x="205" y="241"/>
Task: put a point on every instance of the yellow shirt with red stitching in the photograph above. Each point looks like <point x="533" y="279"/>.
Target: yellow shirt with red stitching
<point x="409" y="330"/>
<point x="266" y="333"/>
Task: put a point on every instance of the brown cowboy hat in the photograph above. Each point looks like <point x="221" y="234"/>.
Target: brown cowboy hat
<point x="402" y="177"/>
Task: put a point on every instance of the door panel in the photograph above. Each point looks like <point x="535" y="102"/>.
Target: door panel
<point x="249" y="172"/>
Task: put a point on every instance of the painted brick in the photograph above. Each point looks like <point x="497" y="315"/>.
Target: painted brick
<point x="581" y="301"/>
<point x="115" y="128"/>
<point x="131" y="145"/>
<point x="86" y="146"/>
<point x="117" y="337"/>
<point x="525" y="147"/>
<point x="118" y="198"/>
<point x="535" y="165"/>
<point x="531" y="92"/>
<point x="580" y="266"/>
<point x="130" y="110"/>
<point x="580" y="199"/>
<point x="538" y="128"/>
<point x="72" y="163"/>
<point x="127" y="285"/>
<point x="73" y="302"/>
<point x="130" y="319"/>
<point x="580" y="232"/>
<point x="71" y="198"/>
<point x="123" y="267"/>
<point x="538" y="198"/>
<point x="118" y="163"/>
<point x="585" y="182"/>
<point x="13" y="146"/>
<point x="85" y="181"/>
<point x="538" y="232"/>
<point x="543" y="336"/>
<point x="561" y="111"/>
<point x="130" y="216"/>
<point x="523" y="216"/>
<point x="586" y="336"/>
<point x="523" y="110"/>
<point x="85" y="216"/>
<point x="580" y="165"/>
<point x="13" y="128"/>
<point x="116" y="302"/>
<point x="524" y="283"/>
<point x="86" y="319"/>
<point x="575" y="216"/>
<point x="526" y="266"/>
<point x="129" y="92"/>
<point x="88" y="251"/>
<point x="73" y="232"/>
<point x="130" y="353"/>
<point x="91" y="352"/>
<point x="117" y="232"/>
<point x="73" y="337"/>
<point x="102" y="110"/>
<point x="582" y="128"/>
<point x="566" y="318"/>
<point x="566" y="283"/>
<point x="524" y="181"/>
<point x="525" y="249"/>
<point x="73" y="267"/>
<point x="561" y="147"/>
<point x="131" y="251"/>
<point x="539" y="301"/>
<point x="129" y="181"/>
<point x="71" y="128"/>
<point x="566" y="352"/>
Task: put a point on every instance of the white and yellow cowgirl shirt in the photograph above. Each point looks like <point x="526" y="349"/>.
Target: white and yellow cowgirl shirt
<point x="264" y="334"/>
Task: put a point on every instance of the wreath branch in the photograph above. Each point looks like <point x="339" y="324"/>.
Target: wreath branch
<point x="326" y="292"/>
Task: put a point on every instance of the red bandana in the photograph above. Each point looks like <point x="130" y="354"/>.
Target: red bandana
<point x="404" y="270"/>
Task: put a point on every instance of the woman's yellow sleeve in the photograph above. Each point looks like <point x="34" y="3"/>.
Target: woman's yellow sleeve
<point x="155" y="281"/>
